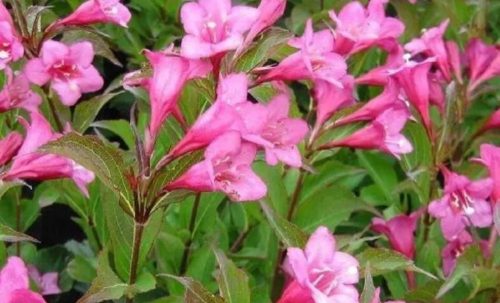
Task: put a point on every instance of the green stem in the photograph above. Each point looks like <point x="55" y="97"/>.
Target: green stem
<point x="18" y="224"/>
<point x="192" y="223"/>
<point x="136" y="249"/>
<point x="53" y="110"/>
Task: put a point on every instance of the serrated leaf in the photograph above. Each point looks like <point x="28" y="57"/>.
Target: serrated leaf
<point x="7" y="234"/>
<point x="104" y="160"/>
<point x="101" y="47"/>
<point x="86" y="111"/>
<point x="195" y="292"/>
<point x="287" y="232"/>
<point x="233" y="282"/>
<point x="106" y="286"/>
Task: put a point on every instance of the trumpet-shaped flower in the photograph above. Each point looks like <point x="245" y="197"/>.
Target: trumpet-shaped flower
<point x="270" y="127"/>
<point x="11" y="47"/>
<point x="14" y="283"/>
<point x="17" y="93"/>
<point x="331" y="98"/>
<point x="453" y="250"/>
<point x="98" y="11"/>
<point x="383" y="134"/>
<point x="490" y="157"/>
<point x="380" y="75"/>
<point x="319" y="273"/>
<point x="68" y="68"/>
<point x="359" y="28"/>
<point x="214" y="26"/>
<point x="226" y="168"/>
<point x="483" y="61"/>
<point x="400" y="232"/>
<point x="28" y="164"/>
<point x="463" y="204"/>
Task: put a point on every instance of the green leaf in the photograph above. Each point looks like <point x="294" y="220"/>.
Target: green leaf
<point x="7" y="234"/>
<point x="384" y="260"/>
<point x="104" y="160"/>
<point x="106" y="286"/>
<point x="265" y="48"/>
<point x="195" y="292"/>
<point x="33" y="17"/>
<point x="101" y="46"/>
<point x="233" y="282"/>
<point x="145" y="282"/>
<point x="368" y="289"/>
<point x="287" y="232"/>
<point x="81" y="269"/>
<point x="6" y="185"/>
<point x="120" y="127"/>
<point x="329" y="207"/>
<point x="86" y="111"/>
<point x="381" y="170"/>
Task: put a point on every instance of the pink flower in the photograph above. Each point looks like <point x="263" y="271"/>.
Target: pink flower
<point x="331" y="98"/>
<point x="376" y="298"/>
<point x="14" y="283"/>
<point x="490" y="157"/>
<point x="9" y="147"/>
<point x="463" y="204"/>
<point x="11" y="47"/>
<point x="98" y="11"/>
<point x="432" y="44"/>
<point x="453" y="250"/>
<point x="269" y="11"/>
<point x="380" y="75"/>
<point x="315" y="60"/>
<point x="319" y="273"/>
<point x="493" y="121"/>
<point x="399" y="230"/>
<point x="46" y="283"/>
<point x="373" y="108"/>
<point x="226" y="168"/>
<point x="213" y="27"/>
<point x="358" y="28"/>
<point x="165" y="86"/>
<point x="383" y="134"/>
<point x="68" y="68"/>
<point x="17" y="93"/>
<point x="28" y="164"/>
<point x="270" y="127"/>
<point x="483" y="61"/>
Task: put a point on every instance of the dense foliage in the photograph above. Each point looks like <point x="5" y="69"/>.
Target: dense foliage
<point x="249" y="151"/>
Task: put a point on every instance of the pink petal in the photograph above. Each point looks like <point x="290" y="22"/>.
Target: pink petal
<point x="52" y="52"/>
<point x="69" y="92"/>
<point x="36" y="72"/>
<point x="192" y="17"/>
<point x="81" y="53"/>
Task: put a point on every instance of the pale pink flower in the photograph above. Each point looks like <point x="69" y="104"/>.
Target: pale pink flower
<point x="373" y="108"/>
<point x="269" y="127"/>
<point x="319" y="273"/>
<point x="98" y="11"/>
<point x="315" y="60"/>
<point x="9" y="146"/>
<point x="214" y="26"/>
<point x="46" y="283"/>
<point x="359" y="28"/>
<point x="68" y="68"/>
<point x="400" y="232"/>
<point x="376" y="297"/>
<point x="226" y="168"/>
<point x="384" y="133"/>
<point x="490" y="157"/>
<point x="483" y="61"/>
<point x="11" y="47"/>
<point x="17" y="93"/>
<point x="14" y="283"/>
<point x="331" y="98"/>
<point x="28" y="164"/>
<point x="463" y="203"/>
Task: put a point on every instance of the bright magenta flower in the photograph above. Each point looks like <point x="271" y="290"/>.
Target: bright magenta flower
<point x="68" y="68"/>
<point x="11" y="47"/>
<point x="373" y="108"/>
<point x="376" y="298"/>
<point x="331" y="98"/>
<point x="490" y="157"/>
<point x="483" y="61"/>
<point x="380" y="75"/>
<point x="400" y="232"/>
<point x="9" y="147"/>
<point x="98" y="11"/>
<point x="46" y="283"/>
<point x="14" y="283"/>
<point x="464" y="203"/>
<point x="17" y="93"/>
<point x="226" y="168"/>
<point x="214" y="26"/>
<point x="319" y="273"/>
<point x="315" y="59"/>
<point x="383" y="134"/>
<point x="359" y="28"/>
<point x="30" y="165"/>
<point x="269" y="127"/>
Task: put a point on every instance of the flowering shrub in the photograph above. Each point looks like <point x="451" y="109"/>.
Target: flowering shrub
<point x="285" y="151"/>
